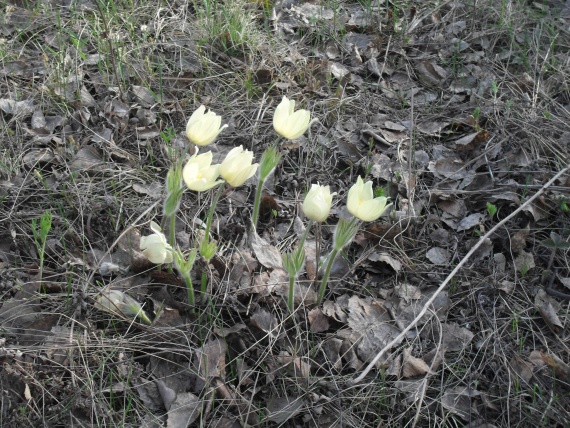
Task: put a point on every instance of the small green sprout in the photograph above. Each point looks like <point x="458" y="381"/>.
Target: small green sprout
<point x="491" y="210"/>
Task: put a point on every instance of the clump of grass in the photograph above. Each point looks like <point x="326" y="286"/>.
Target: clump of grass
<point x="230" y="26"/>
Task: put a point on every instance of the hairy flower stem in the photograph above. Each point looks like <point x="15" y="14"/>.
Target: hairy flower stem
<point x="207" y="248"/>
<point x="291" y="301"/>
<point x="190" y="288"/>
<point x="172" y="230"/>
<point x="294" y="263"/>
<point x="317" y="251"/>
<point x="211" y="213"/>
<point x="267" y="164"/>
<point x="257" y="201"/>
<point x="343" y="235"/>
<point x="172" y="236"/>
<point x="326" y="275"/>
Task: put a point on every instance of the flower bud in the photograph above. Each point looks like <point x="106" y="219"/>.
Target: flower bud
<point x="115" y="301"/>
<point x="317" y="203"/>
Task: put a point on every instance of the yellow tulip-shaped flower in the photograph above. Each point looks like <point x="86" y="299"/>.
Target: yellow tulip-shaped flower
<point x="155" y="247"/>
<point x="362" y="204"/>
<point x="237" y="167"/>
<point x="199" y="174"/>
<point x="317" y="203"/>
<point x="202" y="127"/>
<point x="289" y="123"/>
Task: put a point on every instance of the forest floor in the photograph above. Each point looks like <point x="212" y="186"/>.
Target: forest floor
<point x="459" y="112"/>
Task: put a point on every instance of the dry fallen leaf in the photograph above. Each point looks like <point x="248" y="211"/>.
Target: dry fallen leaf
<point x="268" y="255"/>
<point x="332" y="349"/>
<point x="412" y="366"/>
<point x="318" y="321"/>
<point x="518" y="240"/>
<point x="524" y="262"/>
<point x="386" y="258"/>
<point x="459" y="400"/>
<point x="438" y="256"/>
<point x="455" y="338"/>
<point x="282" y="409"/>
<point x="372" y="322"/>
<point x="524" y="369"/>
<point x="560" y="368"/>
<point x="548" y="308"/>
<point x="264" y="321"/>
<point x="184" y="410"/>
<point x="210" y="359"/>
<point x="470" y="221"/>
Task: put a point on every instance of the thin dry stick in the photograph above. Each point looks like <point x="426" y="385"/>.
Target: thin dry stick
<point x="423" y="386"/>
<point x="425" y="308"/>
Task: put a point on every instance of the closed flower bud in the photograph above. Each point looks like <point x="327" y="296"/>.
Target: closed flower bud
<point x="362" y="204"/>
<point x="155" y="247"/>
<point x="199" y="174"/>
<point x="115" y="301"/>
<point x="289" y="123"/>
<point x="317" y="203"/>
<point x="202" y="127"/>
<point x="237" y="167"/>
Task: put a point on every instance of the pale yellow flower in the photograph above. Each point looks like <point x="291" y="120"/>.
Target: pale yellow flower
<point x="155" y="247"/>
<point x="199" y="174"/>
<point x="114" y="301"/>
<point x="237" y="167"/>
<point x="362" y="204"/>
<point x="202" y="127"/>
<point x="289" y="123"/>
<point x="317" y="203"/>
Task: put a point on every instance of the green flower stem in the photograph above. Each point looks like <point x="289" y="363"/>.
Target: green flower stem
<point x="267" y="164"/>
<point x="172" y="230"/>
<point x="204" y="287"/>
<point x="190" y="287"/>
<point x="291" y="301"/>
<point x="184" y="267"/>
<point x="317" y="250"/>
<point x="207" y="248"/>
<point x="257" y="201"/>
<point x="211" y="213"/>
<point x="343" y="235"/>
<point x="293" y="263"/>
<point x="325" y="280"/>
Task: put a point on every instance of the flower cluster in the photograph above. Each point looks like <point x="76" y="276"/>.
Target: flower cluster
<point x="361" y="202"/>
<point x="199" y="174"/>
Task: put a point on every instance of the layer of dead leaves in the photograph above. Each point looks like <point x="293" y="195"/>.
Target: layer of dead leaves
<point x="458" y="111"/>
